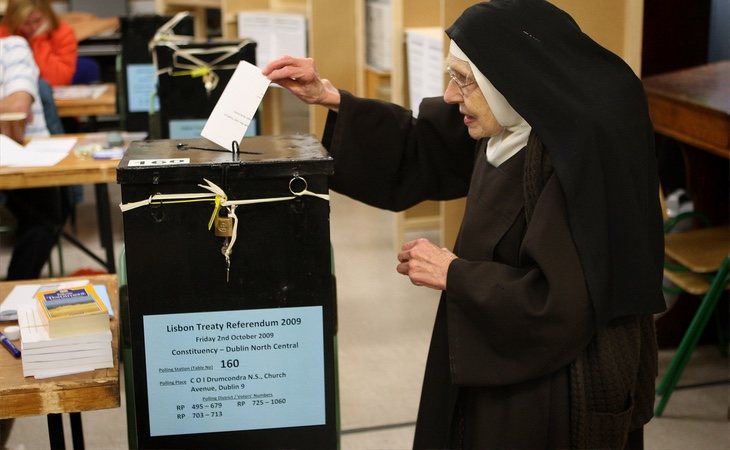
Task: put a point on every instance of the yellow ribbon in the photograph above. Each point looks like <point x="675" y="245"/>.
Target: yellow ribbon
<point x="215" y="211"/>
<point x="194" y="73"/>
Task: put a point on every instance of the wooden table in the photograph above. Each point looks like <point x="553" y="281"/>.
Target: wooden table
<point x="103" y="105"/>
<point x="20" y="396"/>
<point x="693" y="107"/>
<point x="73" y="170"/>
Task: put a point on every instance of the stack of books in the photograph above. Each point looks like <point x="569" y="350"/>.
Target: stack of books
<point x="66" y="331"/>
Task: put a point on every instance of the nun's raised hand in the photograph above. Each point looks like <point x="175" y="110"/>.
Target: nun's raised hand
<point x="300" y="77"/>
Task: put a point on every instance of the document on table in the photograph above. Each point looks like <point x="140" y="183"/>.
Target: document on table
<point x="237" y="106"/>
<point x="54" y="145"/>
<point x="77" y="91"/>
<point x="38" y="153"/>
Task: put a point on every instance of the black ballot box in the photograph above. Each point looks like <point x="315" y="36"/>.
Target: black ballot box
<point x="191" y="79"/>
<point x="233" y="352"/>
<point x="138" y="78"/>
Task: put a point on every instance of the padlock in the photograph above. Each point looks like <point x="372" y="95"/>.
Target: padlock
<point x="223" y="226"/>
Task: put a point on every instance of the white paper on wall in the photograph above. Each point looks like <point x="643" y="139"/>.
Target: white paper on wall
<point x="425" y="56"/>
<point x="276" y="34"/>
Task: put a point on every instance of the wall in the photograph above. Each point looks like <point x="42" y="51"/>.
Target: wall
<point x="615" y="24"/>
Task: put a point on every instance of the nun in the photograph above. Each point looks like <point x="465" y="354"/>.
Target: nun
<point x="544" y="336"/>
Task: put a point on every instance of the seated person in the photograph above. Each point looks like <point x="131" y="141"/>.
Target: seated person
<point x="41" y="212"/>
<point x="53" y="41"/>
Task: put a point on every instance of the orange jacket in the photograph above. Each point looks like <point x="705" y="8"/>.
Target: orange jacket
<point x="54" y="52"/>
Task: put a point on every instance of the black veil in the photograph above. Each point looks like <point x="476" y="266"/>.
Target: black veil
<point x="590" y="112"/>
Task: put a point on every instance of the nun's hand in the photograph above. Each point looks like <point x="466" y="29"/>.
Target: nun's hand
<point x="300" y="77"/>
<point x="425" y="263"/>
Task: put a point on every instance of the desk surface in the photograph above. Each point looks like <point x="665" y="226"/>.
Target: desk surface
<point x="693" y="106"/>
<point x="71" y="170"/>
<point x="103" y="105"/>
<point x="20" y="396"/>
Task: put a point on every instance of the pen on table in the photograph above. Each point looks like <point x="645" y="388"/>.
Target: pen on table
<point x="9" y="345"/>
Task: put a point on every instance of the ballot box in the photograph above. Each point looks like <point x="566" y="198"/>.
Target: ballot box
<point x="191" y="79"/>
<point x="231" y="294"/>
<point x="138" y="96"/>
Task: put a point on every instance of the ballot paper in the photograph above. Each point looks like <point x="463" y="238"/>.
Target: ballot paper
<point x="236" y="106"/>
<point x="51" y="144"/>
<point x="38" y="153"/>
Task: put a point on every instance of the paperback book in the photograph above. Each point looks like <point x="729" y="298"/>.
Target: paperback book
<point x="71" y="311"/>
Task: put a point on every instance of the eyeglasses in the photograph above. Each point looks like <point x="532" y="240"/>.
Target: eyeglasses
<point x="462" y="81"/>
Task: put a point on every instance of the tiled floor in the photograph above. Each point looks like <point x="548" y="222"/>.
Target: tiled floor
<point x="384" y="329"/>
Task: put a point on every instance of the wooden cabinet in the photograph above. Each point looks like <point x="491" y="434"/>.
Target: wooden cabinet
<point x="444" y="217"/>
<point x="197" y="7"/>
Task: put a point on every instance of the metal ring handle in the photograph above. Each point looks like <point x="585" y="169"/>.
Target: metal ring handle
<point x="300" y="193"/>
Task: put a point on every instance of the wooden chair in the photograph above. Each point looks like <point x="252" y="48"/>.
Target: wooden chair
<point x="697" y="262"/>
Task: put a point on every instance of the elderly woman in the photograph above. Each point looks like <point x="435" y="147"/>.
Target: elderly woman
<point x="544" y="335"/>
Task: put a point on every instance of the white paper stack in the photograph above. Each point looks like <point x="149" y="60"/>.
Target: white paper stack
<point x="276" y="34"/>
<point x="378" y="34"/>
<point x="44" y="357"/>
<point x="425" y="50"/>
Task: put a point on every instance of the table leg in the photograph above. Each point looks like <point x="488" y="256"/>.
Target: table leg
<point x="55" y="431"/>
<point x="707" y="178"/>
<point x="106" y="234"/>
<point x="103" y="217"/>
<point x="77" y="432"/>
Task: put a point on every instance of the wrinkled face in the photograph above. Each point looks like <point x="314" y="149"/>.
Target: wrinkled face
<point x="34" y="21"/>
<point x="462" y="90"/>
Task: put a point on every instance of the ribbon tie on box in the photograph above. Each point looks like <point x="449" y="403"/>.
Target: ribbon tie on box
<point x="216" y="191"/>
<point x="187" y="62"/>
<point x="220" y="199"/>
